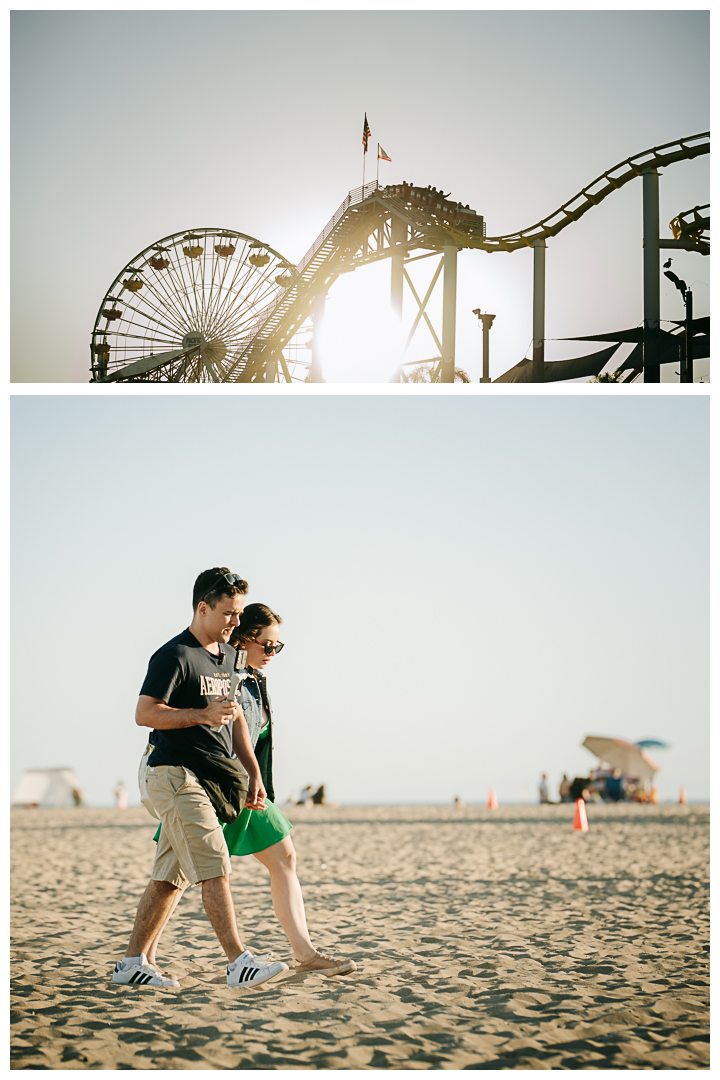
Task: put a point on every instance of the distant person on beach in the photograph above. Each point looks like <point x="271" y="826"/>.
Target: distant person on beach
<point x="565" y="789"/>
<point x="615" y="787"/>
<point x="319" y="796"/>
<point x="543" y="789"/>
<point x="264" y="832"/>
<point x="305" y="795"/>
<point x="188" y="776"/>
<point x="580" y="788"/>
<point x="121" y="796"/>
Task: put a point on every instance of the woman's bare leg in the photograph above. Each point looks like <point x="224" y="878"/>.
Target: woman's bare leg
<point x="280" y="860"/>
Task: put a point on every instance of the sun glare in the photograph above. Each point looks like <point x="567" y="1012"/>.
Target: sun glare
<point x="361" y="339"/>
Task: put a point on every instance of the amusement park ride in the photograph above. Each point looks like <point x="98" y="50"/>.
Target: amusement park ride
<point x="214" y="305"/>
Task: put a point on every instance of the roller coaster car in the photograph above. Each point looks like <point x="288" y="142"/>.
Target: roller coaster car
<point x="438" y="204"/>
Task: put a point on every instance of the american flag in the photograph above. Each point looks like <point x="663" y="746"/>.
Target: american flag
<point x="366" y="133"/>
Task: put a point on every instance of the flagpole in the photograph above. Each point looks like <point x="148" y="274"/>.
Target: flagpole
<point x="377" y="178"/>
<point x="366" y="138"/>
<point x="362" y="196"/>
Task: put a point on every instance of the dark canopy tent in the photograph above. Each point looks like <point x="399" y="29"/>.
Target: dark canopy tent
<point x="560" y="370"/>
<point x="673" y="344"/>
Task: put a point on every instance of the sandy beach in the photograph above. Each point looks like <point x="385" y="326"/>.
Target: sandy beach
<point x="484" y="940"/>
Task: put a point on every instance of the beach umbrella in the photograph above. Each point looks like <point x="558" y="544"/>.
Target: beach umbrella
<point x="657" y="743"/>
<point x="622" y="755"/>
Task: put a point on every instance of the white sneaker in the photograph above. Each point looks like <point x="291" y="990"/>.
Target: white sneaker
<point x="140" y="974"/>
<point x="248" y="971"/>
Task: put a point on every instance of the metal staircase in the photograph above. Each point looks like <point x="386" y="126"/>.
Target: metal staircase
<point x="431" y="222"/>
<point x="315" y="272"/>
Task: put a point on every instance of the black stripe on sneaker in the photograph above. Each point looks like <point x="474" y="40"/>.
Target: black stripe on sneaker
<point x="135" y="976"/>
<point x="249" y="973"/>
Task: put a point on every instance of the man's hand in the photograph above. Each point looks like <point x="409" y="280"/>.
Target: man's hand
<point x="256" y="793"/>
<point x="154" y="713"/>
<point x="219" y="713"/>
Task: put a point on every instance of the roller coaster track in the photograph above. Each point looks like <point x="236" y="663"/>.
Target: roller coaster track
<point x="594" y="193"/>
<point x="431" y="222"/>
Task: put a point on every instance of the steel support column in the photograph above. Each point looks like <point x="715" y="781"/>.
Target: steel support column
<point x="271" y="369"/>
<point x="651" y="276"/>
<point x="538" y="372"/>
<point x="398" y="235"/>
<point x="449" y="306"/>
<point x="316" y="374"/>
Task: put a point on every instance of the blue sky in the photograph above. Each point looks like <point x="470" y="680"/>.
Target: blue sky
<point x="128" y="126"/>
<point x="469" y="586"/>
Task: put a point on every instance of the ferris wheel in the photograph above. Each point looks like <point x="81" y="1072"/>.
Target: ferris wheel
<point x="186" y="307"/>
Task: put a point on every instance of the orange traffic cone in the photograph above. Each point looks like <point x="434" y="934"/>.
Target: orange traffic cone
<point x="492" y="800"/>
<point x="580" y="821"/>
<point x="681" y="800"/>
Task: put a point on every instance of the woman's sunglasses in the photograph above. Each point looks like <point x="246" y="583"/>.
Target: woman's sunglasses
<point x="270" y="649"/>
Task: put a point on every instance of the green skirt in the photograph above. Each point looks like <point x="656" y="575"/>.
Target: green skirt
<point x="253" y="830"/>
<point x="256" y="830"/>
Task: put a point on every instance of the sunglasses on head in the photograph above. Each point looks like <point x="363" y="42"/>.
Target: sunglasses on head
<point x="232" y="579"/>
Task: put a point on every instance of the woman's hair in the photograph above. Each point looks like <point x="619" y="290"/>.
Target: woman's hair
<point x="254" y="618"/>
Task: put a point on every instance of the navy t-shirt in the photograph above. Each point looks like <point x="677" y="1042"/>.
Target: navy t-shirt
<point x="185" y="675"/>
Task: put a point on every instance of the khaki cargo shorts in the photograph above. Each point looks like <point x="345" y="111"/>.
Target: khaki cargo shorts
<point x="191" y="847"/>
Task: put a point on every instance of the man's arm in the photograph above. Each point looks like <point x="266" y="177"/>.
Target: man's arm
<point x="154" y="713"/>
<point x="243" y="748"/>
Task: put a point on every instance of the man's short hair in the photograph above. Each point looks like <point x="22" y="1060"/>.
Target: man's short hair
<point x="213" y="584"/>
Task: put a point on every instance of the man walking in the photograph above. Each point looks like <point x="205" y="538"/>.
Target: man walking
<point x="191" y="775"/>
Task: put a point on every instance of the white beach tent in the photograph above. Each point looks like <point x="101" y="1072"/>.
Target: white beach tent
<point x="48" y="787"/>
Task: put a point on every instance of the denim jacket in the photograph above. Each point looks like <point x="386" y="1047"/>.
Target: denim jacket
<point x="253" y="696"/>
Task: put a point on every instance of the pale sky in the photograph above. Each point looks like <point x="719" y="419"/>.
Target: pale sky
<point x="128" y="126"/>
<point x="469" y="587"/>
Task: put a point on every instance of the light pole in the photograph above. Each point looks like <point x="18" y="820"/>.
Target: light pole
<point x="487" y="321"/>
<point x="686" y="368"/>
<point x="686" y="360"/>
